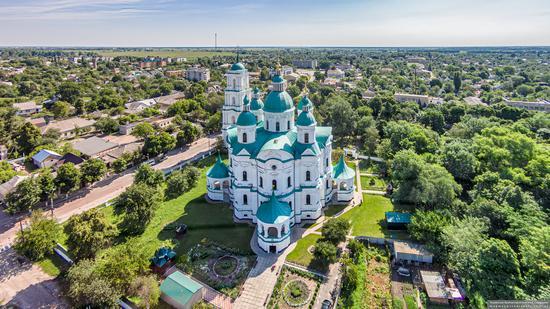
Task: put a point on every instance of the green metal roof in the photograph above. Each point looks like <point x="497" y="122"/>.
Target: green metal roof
<point x="273" y="211"/>
<point x="305" y="101"/>
<point x="398" y="217"/>
<point x="342" y="171"/>
<point x="278" y="102"/>
<point x="162" y="256"/>
<point x="246" y="118"/>
<point x="285" y="141"/>
<point x="256" y="90"/>
<point x="305" y="119"/>
<point x="237" y="67"/>
<point x="256" y="104"/>
<point x="219" y="170"/>
<point x="180" y="287"/>
<point x="277" y="79"/>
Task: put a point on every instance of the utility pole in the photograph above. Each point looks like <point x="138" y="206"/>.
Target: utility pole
<point x="216" y="41"/>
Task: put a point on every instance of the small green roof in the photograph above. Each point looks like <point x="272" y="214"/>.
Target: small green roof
<point x="341" y="171"/>
<point x="256" y="90"/>
<point x="237" y="67"/>
<point x="273" y="211"/>
<point x="305" y="119"/>
<point x="305" y="101"/>
<point x="180" y="287"/>
<point x="219" y="170"/>
<point x="278" y="102"/>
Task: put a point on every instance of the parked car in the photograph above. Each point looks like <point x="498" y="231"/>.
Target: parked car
<point x="327" y="304"/>
<point x="402" y="271"/>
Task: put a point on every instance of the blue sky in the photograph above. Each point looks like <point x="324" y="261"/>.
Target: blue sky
<point x="274" y="23"/>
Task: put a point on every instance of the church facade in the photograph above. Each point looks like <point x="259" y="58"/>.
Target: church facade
<point x="279" y="170"/>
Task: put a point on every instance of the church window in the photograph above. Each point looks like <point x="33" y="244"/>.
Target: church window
<point x="274" y="184"/>
<point x="277" y="126"/>
<point x="288" y="125"/>
<point x="234" y="83"/>
<point x="326" y="162"/>
<point x="306" y="138"/>
<point x="308" y="199"/>
<point x="233" y="101"/>
<point x="289" y="182"/>
<point x="261" y="182"/>
<point x="232" y="119"/>
<point x="244" y="138"/>
<point x="327" y="183"/>
<point x="267" y="124"/>
<point x="308" y="176"/>
<point x="245" y="176"/>
<point x="245" y="199"/>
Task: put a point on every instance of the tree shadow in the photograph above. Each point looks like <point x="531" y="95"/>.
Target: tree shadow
<point x="45" y="294"/>
<point x="12" y="264"/>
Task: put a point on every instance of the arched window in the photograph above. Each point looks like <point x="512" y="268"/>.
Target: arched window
<point x="233" y="101"/>
<point x="261" y="182"/>
<point x="326" y="162"/>
<point x="245" y="199"/>
<point x="327" y="183"/>
<point x="277" y="126"/>
<point x="289" y="181"/>
<point x="272" y="232"/>
<point x="244" y="138"/>
<point x="274" y="184"/>
<point x="308" y="199"/>
<point x="232" y="119"/>
<point x="234" y="83"/>
<point x="306" y="138"/>
<point x="308" y="176"/>
<point x="267" y="124"/>
<point x="245" y="176"/>
<point x="288" y="125"/>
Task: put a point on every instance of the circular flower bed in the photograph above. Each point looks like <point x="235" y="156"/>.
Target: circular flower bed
<point x="296" y="293"/>
<point x="225" y="266"/>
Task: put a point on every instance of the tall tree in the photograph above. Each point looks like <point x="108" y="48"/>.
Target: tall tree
<point x="137" y="205"/>
<point x="68" y="178"/>
<point x="25" y="197"/>
<point x="149" y="176"/>
<point x="88" y="232"/>
<point x="39" y="238"/>
<point x="93" y="170"/>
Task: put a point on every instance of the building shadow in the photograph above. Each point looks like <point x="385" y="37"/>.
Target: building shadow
<point x="46" y="294"/>
<point x="12" y="264"/>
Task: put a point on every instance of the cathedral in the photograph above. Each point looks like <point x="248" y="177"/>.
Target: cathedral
<point x="280" y="169"/>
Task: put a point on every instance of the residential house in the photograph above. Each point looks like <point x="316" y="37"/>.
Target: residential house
<point x="27" y="108"/>
<point x="336" y="73"/>
<point x="69" y="127"/>
<point x="409" y="252"/>
<point x="68" y="158"/>
<point x="94" y="147"/>
<point x="166" y="101"/>
<point x="119" y="151"/>
<point x="45" y="158"/>
<point x="160" y="122"/>
<point x="10" y="185"/>
<point x="539" y="106"/>
<point x="439" y="290"/>
<point x="138" y="106"/>
<point x="37" y="122"/>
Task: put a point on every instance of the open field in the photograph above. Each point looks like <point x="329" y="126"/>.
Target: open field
<point x="213" y="222"/>
<point x="173" y="53"/>
<point x="369" y="218"/>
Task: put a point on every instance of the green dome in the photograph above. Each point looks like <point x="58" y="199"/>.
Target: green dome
<point x="305" y="101"/>
<point x="305" y="119"/>
<point x="277" y="79"/>
<point x="246" y="118"/>
<point x="219" y="170"/>
<point x="342" y="171"/>
<point x="256" y="104"/>
<point x="274" y="211"/>
<point x="278" y="102"/>
<point x="237" y="67"/>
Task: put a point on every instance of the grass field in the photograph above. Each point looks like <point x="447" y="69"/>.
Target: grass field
<point x="173" y="53"/>
<point x="205" y="221"/>
<point x="369" y="218"/>
<point x="373" y="183"/>
<point x="300" y="255"/>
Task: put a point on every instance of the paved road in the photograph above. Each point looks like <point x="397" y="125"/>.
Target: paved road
<point x="20" y="281"/>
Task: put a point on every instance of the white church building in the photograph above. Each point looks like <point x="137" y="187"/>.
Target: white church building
<point x="279" y="170"/>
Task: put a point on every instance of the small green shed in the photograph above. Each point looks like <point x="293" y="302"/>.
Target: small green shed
<point x="181" y="291"/>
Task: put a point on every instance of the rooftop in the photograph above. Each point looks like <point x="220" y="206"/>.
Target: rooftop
<point x="25" y="105"/>
<point x="180" y="287"/>
<point x="93" y="145"/>
<point x="68" y="124"/>
<point x="410" y="248"/>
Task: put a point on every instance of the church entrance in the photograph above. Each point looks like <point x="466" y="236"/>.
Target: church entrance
<point x="272" y="249"/>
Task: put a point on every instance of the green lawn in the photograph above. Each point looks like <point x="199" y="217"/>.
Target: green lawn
<point x="373" y="183"/>
<point x="369" y="218"/>
<point x="300" y="254"/>
<point x="52" y="265"/>
<point x="172" y="53"/>
<point x="204" y="221"/>
<point x="334" y="209"/>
